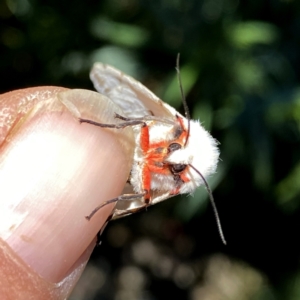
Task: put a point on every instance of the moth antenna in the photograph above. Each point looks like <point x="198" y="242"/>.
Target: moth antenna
<point x="186" y="108"/>
<point x="212" y="201"/>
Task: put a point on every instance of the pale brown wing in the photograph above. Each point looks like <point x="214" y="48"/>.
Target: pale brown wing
<point x="130" y="95"/>
<point x="128" y="207"/>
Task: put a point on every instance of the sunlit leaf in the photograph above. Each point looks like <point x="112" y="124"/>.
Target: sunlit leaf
<point x="119" y="33"/>
<point x="247" y="34"/>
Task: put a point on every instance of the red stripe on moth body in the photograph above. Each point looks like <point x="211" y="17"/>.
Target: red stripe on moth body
<point x="155" y="155"/>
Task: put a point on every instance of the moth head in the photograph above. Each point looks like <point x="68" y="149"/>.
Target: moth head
<point x="200" y="152"/>
<point x="194" y="161"/>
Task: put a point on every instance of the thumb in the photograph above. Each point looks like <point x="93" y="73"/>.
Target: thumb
<point x="53" y="172"/>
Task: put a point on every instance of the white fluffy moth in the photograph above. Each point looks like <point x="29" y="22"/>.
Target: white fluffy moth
<point x="173" y="154"/>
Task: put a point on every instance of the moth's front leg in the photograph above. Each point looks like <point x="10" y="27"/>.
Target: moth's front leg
<point x="116" y="126"/>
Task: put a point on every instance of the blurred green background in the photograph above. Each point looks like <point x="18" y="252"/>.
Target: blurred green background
<point x="240" y="71"/>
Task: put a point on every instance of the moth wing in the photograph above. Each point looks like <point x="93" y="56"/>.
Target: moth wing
<point x="127" y="207"/>
<point x="135" y="100"/>
<point x="130" y="95"/>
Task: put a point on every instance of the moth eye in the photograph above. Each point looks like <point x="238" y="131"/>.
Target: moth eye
<point x="177" y="168"/>
<point x="173" y="147"/>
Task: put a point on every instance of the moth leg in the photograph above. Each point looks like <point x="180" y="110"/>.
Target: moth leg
<point x="117" y="126"/>
<point x="147" y="118"/>
<point x="142" y="119"/>
<point x="117" y="116"/>
<point x="115" y="200"/>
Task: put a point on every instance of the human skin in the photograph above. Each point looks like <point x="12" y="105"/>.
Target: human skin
<point x="53" y="172"/>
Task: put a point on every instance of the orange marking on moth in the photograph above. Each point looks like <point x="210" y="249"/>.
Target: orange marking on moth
<point x="144" y="139"/>
<point x="155" y="155"/>
<point x="184" y="135"/>
<point x="175" y="192"/>
<point x="157" y="169"/>
<point x="146" y="183"/>
<point x="146" y="174"/>
<point x="184" y="177"/>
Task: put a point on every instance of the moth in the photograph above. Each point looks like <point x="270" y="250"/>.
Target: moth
<point x="173" y="154"/>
